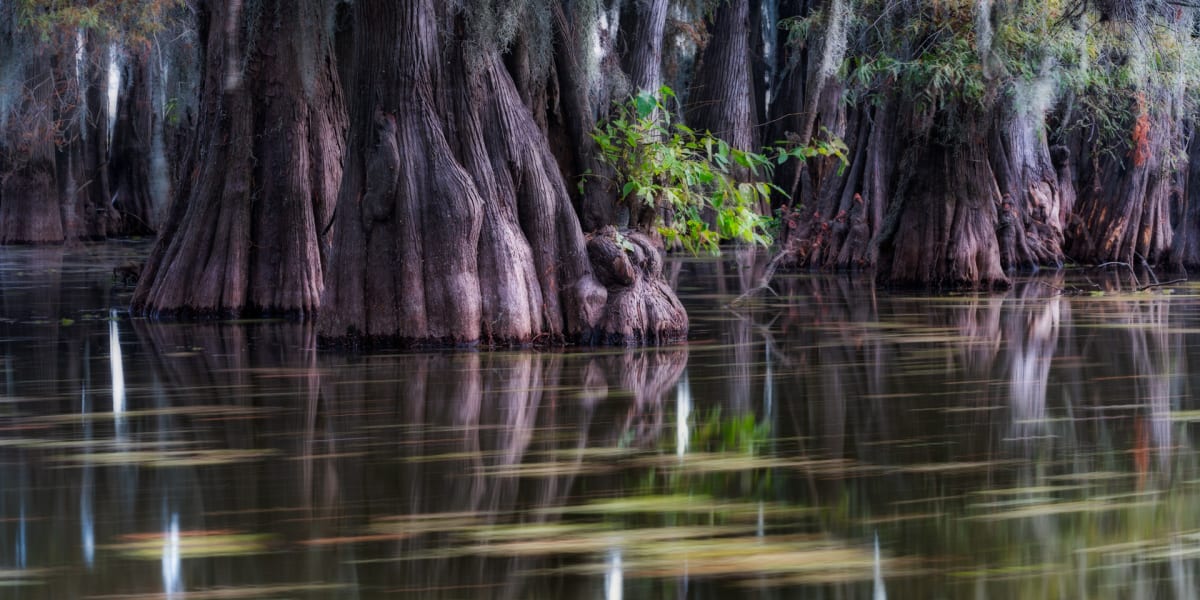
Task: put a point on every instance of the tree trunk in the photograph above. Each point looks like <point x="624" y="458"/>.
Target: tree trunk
<point x="574" y="148"/>
<point x="132" y="143"/>
<point x="80" y="108"/>
<point x="1030" y="227"/>
<point x="722" y="98"/>
<point x="936" y="192"/>
<point x="944" y="220"/>
<point x="1185" y="251"/>
<point x="29" y="201"/>
<point x="245" y="236"/>
<point x="640" y="53"/>
<point x="838" y="211"/>
<point x="454" y="225"/>
<point x="1123" y="210"/>
<point x="99" y="218"/>
<point x="642" y="28"/>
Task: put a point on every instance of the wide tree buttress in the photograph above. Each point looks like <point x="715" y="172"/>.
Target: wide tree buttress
<point x="244" y="234"/>
<point x="453" y="223"/>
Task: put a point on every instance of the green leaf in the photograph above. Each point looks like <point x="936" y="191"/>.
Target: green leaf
<point x="646" y="104"/>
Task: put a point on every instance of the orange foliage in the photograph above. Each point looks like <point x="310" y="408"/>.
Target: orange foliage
<point x="1141" y="133"/>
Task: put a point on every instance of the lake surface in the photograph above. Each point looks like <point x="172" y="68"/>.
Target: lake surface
<point x="833" y="441"/>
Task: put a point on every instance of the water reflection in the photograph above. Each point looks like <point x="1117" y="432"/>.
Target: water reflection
<point x="836" y="442"/>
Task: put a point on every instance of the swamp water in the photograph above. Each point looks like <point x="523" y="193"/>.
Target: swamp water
<point x="832" y="442"/>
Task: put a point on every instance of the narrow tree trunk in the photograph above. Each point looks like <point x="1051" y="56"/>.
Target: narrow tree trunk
<point x="722" y="98"/>
<point x="133" y="132"/>
<point x="576" y="151"/>
<point x="454" y="225"/>
<point x="99" y="218"/>
<point x="642" y="33"/>
<point x="1185" y="251"/>
<point x="640" y="52"/>
<point x="246" y="238"/>
<point x="80" y="107"/>
<point x="786" y="117"/>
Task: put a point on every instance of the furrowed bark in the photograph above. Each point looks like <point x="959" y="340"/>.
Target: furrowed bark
<point x="244" y="237"/>
<point x="722" y="99"/>
<point x="945" y="229"/>
<point x="1123" y="210"/>
<point x="454" y="224"/>
<point x="1031" y="209"/>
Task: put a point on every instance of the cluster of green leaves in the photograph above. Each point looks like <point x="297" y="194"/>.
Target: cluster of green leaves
<point x="710" y="191"/>
<point x="937" y="54"/>
<point x="1121" y="73"/>
<point x="951" y="60"/>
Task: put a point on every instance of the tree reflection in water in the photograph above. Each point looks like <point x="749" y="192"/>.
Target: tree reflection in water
<point x="835" y="442"/>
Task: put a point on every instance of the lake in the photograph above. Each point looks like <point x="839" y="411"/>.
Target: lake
<point x="825" y="440"/>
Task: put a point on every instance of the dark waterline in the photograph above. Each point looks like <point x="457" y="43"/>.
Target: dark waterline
<point x="834" y="442"/>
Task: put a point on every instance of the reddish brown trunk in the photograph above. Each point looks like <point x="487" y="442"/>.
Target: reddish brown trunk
<point x="453" y="224"/>
<point x="245" y="237"/>
<point x="945" y="219"/>
<point x="1185" y="251"/>
<point x="1123" y="210"/>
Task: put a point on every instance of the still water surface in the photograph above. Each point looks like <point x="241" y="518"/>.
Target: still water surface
<point x="832" y="442"/>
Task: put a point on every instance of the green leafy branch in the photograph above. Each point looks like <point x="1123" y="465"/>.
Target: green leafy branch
<point x="703" y="190"/>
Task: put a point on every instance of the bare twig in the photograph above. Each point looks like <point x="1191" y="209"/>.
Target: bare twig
<point x="1154" y="285"/>
<point x="1114" y="263"/>
<point x="764" y="283"/>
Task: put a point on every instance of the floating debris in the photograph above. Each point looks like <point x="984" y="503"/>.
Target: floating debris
<point x="192" y="544"/>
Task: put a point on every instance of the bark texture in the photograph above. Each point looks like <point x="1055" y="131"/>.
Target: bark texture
<point x="1185" y="251"/>
<point x="941" y="191"/>
<point x="29" y="201"/>
<point x="454" y="225"/>
<point x="98" y="216"/>
<point x="577" y="115"/>
<point x="643" y="25"/>
<point x="1033" y="207"/>
<point x="722" y="97"/>
<point x="945" y="222"/>
<point x="1123" y="212"/>
<point x="256" y="194"/>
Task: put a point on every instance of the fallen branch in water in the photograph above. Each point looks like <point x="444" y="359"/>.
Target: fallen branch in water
<point x="1137" y="285"/>
<point x="1154" y="285"/>
<point x="764" y="283"/>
